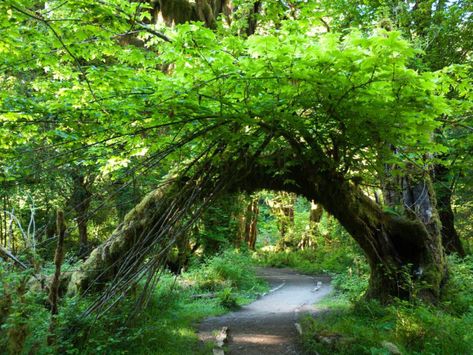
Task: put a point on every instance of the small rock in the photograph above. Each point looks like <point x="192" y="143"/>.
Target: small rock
<point x="392" y="348"/>
<point x="328" y="339"/>
<point x="298" y="328"/>
<point x="222" y="337"/>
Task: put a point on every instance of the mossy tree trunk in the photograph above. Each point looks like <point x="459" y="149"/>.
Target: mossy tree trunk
<point x="174" y="12"/>
<point x="405" y="255"/>
<point x="105" y="260"/>
<point x="282" y="206"/>
<point x="450" y="238"/>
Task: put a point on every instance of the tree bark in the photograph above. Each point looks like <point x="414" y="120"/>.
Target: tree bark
<point x="251" y="221"/>
<point x="316" y="212"/>
<point x="253" y="18"/>
<point x="55" y="283"/>
<point x="390" y="185"/>
<point x="174" y="12"/>
<point x="80" y="201"/>
<point x="450" y="238"/>
<point x="105" y="260"/>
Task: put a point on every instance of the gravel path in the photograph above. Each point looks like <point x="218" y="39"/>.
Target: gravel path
<point x="267" y="326"/>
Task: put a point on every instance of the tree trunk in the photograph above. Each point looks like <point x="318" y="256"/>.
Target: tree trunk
<point x="253" y="18"/>
<point x="284" y="210"/>
<point x="315" y="215"/>
<point x="153" y="227"/>
<point x="390" y="185"/>
<point x="174" y="12"/>
<point x="405" y="255"/>
<point x="80" y="201"/>
<point x="251" y="221"/>
<point x="316" y="211"/>
<point x="105" y="260"/>
<point x="450" y="238"/>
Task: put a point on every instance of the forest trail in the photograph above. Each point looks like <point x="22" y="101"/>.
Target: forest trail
<point x="267" y="326"/>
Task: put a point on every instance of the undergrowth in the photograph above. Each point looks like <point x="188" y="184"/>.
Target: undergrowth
<point x="353" y="325"/>
<point x="165" y="326"/>
<point x="333" y="251"/>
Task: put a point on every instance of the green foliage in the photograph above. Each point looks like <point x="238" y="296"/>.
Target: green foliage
<point x="218" y="227"/>
<point x="333" y="251"/>
<point x="458" y="294"/>
<point x="230" y="269"/>
<point x="166" y="325"/>
<point x="23" y="315"/>
<point x="79" y="94"/>
<point x="228" y="299"/>
<point x="364" y="327"/>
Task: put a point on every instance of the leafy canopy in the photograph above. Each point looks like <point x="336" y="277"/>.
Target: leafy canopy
<point x="73" y="82"/>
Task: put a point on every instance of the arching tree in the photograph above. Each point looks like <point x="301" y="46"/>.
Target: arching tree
<point x="291" y="109"/>
<point x="309" y="114"/>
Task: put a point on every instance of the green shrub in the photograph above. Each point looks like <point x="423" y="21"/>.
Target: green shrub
<point x="165" y="326"/>
<point x="457" y="295"/>
<point x="356" y="326"/>
<point x="323" y="260"/>
<point x="230" y="268"/>
<point x="227" y="298"/>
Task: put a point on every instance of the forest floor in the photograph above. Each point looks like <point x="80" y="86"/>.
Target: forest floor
<point x="268" y="325"/>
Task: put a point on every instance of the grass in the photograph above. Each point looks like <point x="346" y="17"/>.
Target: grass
<point x="354" y="326"/>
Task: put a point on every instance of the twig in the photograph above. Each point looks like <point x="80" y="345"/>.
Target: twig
<point x="7" y="254"/>
<point x="54" y="289"/>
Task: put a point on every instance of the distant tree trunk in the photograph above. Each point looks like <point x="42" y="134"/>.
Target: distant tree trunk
<point x="283" y="208"/>
<point x="287" y="222"/>
<point x="58" y="258"/>
<point x="54" y="287"/>
<point x="450" y="238"/>
<point x="251" y="221"/>
<point x="80" y="201"/>
<point x="241" y="229"/>
<point x="253" y="18"/>
<point x="315" y="215"/>
<point x="184" y="251"/>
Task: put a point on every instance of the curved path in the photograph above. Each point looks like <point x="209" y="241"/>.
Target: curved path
<point x="267" y="326"/>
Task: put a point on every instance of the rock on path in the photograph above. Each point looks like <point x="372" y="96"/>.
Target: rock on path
<point x="267" y="326"/>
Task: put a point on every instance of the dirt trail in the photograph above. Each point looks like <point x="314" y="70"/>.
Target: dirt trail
<point x="267" y="326"/>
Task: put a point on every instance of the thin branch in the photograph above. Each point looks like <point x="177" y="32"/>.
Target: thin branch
<point x="76" y="60"/>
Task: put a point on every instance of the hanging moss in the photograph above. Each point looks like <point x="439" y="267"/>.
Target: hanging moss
<point x="103" y="260"/>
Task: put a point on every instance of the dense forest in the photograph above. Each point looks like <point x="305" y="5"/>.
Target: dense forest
<point x="155" y="154"/>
